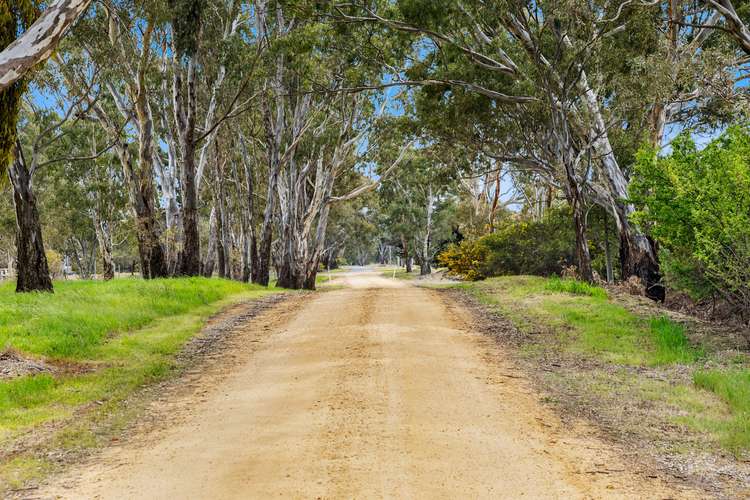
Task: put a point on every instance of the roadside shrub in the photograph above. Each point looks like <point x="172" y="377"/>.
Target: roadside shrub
<point x="521" y="245"/>
<point x="574" y="287"/>
<point x="466" y="259"/>
<point x="540" y="247"/>
<point x="696" y="204"/>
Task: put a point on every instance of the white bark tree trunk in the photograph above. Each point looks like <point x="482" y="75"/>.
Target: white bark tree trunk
<point x="39" y="41"/>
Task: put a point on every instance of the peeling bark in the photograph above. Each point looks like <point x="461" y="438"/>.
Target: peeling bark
<point x="210" y="261"/>
<point x="184" y="111"/>
<point x="39" y="41"/>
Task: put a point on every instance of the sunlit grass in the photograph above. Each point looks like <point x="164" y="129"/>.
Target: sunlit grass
<point x="589" y="324"/>
<point x="586" y="321"/>
<point x="126" y="334"/>
<point x="575" y="287"/>
<point x="78" y="317"/>
<point x="672" y="344"/>
<point x="733" y="387"/>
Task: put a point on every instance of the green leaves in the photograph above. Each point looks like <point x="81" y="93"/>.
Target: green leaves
<point x="697" y="205"/>
<point x="186" y="22"/>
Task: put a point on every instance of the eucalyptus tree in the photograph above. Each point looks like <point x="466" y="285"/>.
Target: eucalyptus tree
<point x="56" y="144"/>
<point x="520" y="53"/>
<point x="353" y="232"/>
<point x="186" y="20"/>
<point x="273" y="25"/>
<point x="418" y="200"/>
<point x="31" y="259"/>
<point x="40" y="129"/>
<point x="85" y="199"/>
<point x="20" y="54"/>
<point x="734" y="23"/>
<point x="245" y="179"/>
<point x="117" y="98"/>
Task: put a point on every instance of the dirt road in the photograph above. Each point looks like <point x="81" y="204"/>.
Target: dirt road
<point x="373" y="390"/>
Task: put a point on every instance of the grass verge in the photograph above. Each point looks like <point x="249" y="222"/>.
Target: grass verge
<point x="575" y="287"/>
<point x="610" y="352"/>
<point x="74" y="321"/>
<point x="117" y="336"/>
<point x="400" y="273"/>
<point x="586" y="321"/>
<point x="733" y="387"/>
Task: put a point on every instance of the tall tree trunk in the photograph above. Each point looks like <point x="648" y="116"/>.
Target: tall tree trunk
<point x="150" y="251"/>
<point x="33" y="270"/>
<point x="80" y="254"/>
<point x="311" y="272"/>
<point x="426" y="257"/>
<point x="583" y="255"/>
<point x="210" y="260"/>
<point x="140" y="183"/>
<point x="249" y="241"/>
<point x="608" y="251"/>
<point x="224" y="232"/>
<point x="286" y="269"/>
<point x="219" y="236"/>
<point x="190" y="264"/>
<point x="153" y="264"/>
<point x="274" y="125"/>
<point x="104" y="239"/>
<point x="169" y="173"/>
<point x="261" y="272"/>
<point x="405" y="252"/>
<point x="424" y="266"/>
<point x="495" y="200"/>
<point x="637" y="253"/>
<point x="184" y="110"/>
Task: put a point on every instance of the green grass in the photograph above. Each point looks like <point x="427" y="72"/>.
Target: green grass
<point x="672" y="344"/>
<point x="78" y="317"/>
<point x="400" y="274"/>
<point x="732" y="387"/>
<point x="125" y="333"/>
<point x="324" y="277"/>
<point x="575" y="287"/>
<point x="586" y="321"/>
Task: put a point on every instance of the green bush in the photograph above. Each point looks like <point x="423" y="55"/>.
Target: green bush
<point x="541" y="247"/>
<point x="518" y="246"/>
<point x="696" y="204"/>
